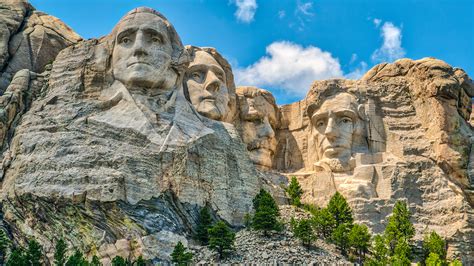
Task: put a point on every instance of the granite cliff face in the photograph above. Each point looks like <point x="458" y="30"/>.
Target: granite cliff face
<point x="119" y="143"/>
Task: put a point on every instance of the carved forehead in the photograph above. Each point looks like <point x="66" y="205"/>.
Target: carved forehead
<point x="142" y="20"/>
<point x="204" y="58"/>
<point x="338" y="102"/>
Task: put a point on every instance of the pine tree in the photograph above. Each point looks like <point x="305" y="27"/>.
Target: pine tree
<point x="95" y="261"/>
<point x="324" y="223"/>
<point x="221" y="238"/>
<point x="433" y="243"/>
<point x="295" y="192"/>
<point x="33" y="253"/>
<point x="340" y="210"/>
<point x="340" y="237"/>
<point x="433" y="259"/>
<point x="204" y="223"/>
<point x="455" y="262"/>
<point x="379" y="252"/>
<point x="303" y="230"/>
<point x="140" y="261"/>
<point x="402" y="253"/>
<point x="399" y="226"/>
<point x="119" y="261"/>
<point x="266" y="213"/>
<point x="4" y="244"/>
<point x="76" y="259"/>
<point x="60" y="253"/>
<point x="180" y="256"/>
<point x="17" y="258"/>
<point x="359" y="239"/>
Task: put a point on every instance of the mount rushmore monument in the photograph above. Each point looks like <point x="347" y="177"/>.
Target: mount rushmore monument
<point x="116" y="143"/>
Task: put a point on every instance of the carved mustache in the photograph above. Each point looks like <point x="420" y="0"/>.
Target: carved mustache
<point x="268" y="144"/>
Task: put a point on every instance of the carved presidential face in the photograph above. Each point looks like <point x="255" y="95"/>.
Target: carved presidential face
<point x="206" y="83"/>
<point x="142" y="53"/>
<point x="258" y="120"/>
<point x="334" y="124"/>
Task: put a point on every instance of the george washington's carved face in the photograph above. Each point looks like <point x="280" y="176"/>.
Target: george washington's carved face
<point x="206" y="83"/>
<point x="142" y="53"/>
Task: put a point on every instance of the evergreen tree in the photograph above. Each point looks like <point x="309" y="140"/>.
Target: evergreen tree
<point x="359" y="239"/>
<point x="340" y="210"/>
<point x="340" y="237"/>
<point x="60" y="253"/>
<point x="379" y="252"/>
<point x="119" y="261"/>
<point x="33" y="253"/>
<point x="76" y="259"/>
<point x="204" y="223"/>
<point x="402" y="253"/>
<point x="295" y="192"/>
<point x="303" y="230"/>
<point x="433" y="243"/>
<point x="95" y="261"/>
<point x="221" y="238"/>
<point x="433" y="259"/>
<point x="248" y="220"/>
<point x="180" y="256"/>
<point x="17" y="258"/>
<point x="455" y="262"/>
<point x="266" y="213"/>
<point x="399" y="226"/>
<point x="324" y="223"/>
<point x="4" y="244"/>
<point x="140" y="262"/>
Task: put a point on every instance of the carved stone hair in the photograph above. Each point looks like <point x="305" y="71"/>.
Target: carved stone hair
<point x="252" y="92"/>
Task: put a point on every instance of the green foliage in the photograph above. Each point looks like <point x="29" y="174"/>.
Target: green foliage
<point x="17" y="258"/>
<point x="4" y="245"/>
<point x="76" y="259"/>
<point x="402" y="253"/>
<point x="311" y="208"/>
<point x="455" y="262"/>
<point x="340" y="237"/>
<point x="379" y="251"/>
<point x="180" y="256"/>
<point x="359" y="239"/>
<point x="60" y="253"/>
<point x="303" y="230"/>
<point x="248" y="220"/>
<point x="295" y="192"/>
<point x="340" y="210"/>
<point x="324" y="223"/>
<point x="221" y="238"/>
<point x="33" y="253"/>
<point x="433" y="243"/>
<point x="399" y="226"/>
<point x="119" y="261"/>
<point x="204" y="223"/>
<point x="434" y="260"/>
<point x="141" y="262"/>
<point x="96" y="262"/>
<point x="266" y="213"/>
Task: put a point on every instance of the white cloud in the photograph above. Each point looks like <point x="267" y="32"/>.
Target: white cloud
<point x="358" y="72"/>
<point x="305" y="8"/>
<point x="245" y="10"/>
<point x="290" y="67"/>
<point x="281" y="14"/>
<point x="353" y="58"/>
<point x="377" y="22"/>
<point x="391" y="48"/>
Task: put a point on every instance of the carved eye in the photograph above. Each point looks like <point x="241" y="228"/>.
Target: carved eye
<point x="156" y="39"/>
<point x="125" y="40"/>
<point x="197" y="76"/>
<point x="346" y="120"/>
<point x="320" y="123"/>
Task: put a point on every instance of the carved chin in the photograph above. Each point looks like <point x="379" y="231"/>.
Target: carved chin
<point x="210" y="110"/>
<point x="261" y="157"/>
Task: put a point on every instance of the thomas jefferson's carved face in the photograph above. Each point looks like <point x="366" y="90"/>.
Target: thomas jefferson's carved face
<point x="142" y="53"/>
<point x="258" y="122"/>
<point x="334" y="123"/>
<point x="206" y="82"/>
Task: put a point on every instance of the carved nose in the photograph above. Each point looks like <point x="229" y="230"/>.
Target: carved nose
<point x="213" y="83"/>
<point x="331" y="130"/>
<point x="139" y="45"/>
<point x="266" y="129"/>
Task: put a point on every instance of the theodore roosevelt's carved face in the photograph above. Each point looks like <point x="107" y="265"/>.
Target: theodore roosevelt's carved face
<point x="258" y="121"/>
<point x="334" y="124"/>
<point x="206" y="83"/>
<point x="142" y="53"/>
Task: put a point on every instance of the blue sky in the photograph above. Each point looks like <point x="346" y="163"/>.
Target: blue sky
<point x="283" y="45"/>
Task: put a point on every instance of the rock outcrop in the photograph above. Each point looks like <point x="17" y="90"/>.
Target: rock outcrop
<point x="118" y="144"/>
